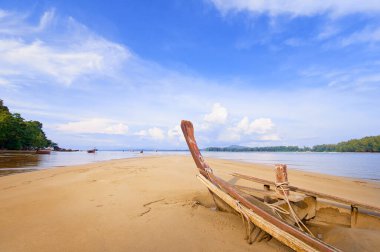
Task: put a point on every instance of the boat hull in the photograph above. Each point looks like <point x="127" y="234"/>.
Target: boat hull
<point x="252" y="209"/>
<point x="45" y="152"/>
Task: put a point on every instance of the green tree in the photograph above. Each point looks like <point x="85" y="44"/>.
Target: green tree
<point x="17" y="134"/>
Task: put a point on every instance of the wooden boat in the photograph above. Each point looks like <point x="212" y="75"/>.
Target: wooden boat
<point x="278" y="210"/>
<point x="43" y="151"/>
<point x="91" y="151"/>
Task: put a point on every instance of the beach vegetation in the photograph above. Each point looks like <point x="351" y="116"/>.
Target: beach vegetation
<point x="366" y="144"/>
<point x="18" y="134"/>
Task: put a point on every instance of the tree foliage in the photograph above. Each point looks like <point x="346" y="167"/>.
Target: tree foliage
<point x="18" y="134"/>
<point x="366" y="144"/>
<point x="257" y="149"/>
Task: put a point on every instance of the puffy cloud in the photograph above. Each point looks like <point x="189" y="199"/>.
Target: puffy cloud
<point x="218" y="114"/>
<point x="95" y="126"/>
<point x="298" y="7"/>
<point x="243" y="125"/>
<point x="260" y="129"/>
<point x="175" y="132"/>
<point x="28" y="51"/>
<point x="259" y="126"/>
<point x="154" y="133"/>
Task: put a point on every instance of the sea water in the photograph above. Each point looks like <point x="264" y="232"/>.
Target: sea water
<point x="356" y="165"/>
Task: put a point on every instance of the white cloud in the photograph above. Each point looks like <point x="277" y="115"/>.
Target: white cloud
<point x="327" y="32"/>
<point x="367" y="35"/>
<point x="12" y="23"/>
<point x="261" y="129"/>
<point x="261" y="126"/>
<point x="218" y="114"/>
<point x="299" y="7"/>
<point x="243" y="125"/>
<point x="4" y="82"/>
<point x="361" y="77"/>
<point x="141" y="133"/>
<point x="202" y="126"/>
<point x="301" y="111"/>
<point x="95" y="126"/>
<point x="175" y="132"/>
<point x="64" y="57"/>
<point x="156" y="133"/>
<point x="258" y="126"/>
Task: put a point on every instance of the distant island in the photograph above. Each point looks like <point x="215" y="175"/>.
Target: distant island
<point x="366" y="144"/>
<point x="18" y="134"/>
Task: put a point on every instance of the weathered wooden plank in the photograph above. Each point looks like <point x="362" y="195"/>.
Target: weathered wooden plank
<point x="282" y="178"/>
<point x="309" y="192"/>
<point x="292" y="236"/>
<point x="278" y="232"/>
<point x="270" y="193"/>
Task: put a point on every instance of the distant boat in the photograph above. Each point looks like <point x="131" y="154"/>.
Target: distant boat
<point x="43" y="151"/>
<point x="91" y="151"/>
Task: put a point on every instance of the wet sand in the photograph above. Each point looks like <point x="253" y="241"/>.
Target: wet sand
<point x="152" y="203"/>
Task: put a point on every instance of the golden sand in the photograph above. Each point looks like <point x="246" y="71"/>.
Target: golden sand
<point x="148" y="204"/>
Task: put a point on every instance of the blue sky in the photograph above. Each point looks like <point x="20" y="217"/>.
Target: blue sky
<point x="122" y="74"/>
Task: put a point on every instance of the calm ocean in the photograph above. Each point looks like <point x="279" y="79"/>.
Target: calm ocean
<point x="356" y="165"/>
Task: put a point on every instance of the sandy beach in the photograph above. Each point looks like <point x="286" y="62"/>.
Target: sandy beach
<point x="152" y="203"/>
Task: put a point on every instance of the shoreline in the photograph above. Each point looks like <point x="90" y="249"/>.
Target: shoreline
<point x="360" y="168"/>
<point x="145" y="203"/>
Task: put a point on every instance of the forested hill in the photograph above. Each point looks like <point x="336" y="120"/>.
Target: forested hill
<point x="236" y="148"/>
<point x="366" y="144"/>
<point x="18" y="134"/>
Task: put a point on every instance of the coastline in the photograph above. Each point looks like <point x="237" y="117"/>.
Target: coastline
<point x="352" y="165"/>
<point x="149" y="203"/>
